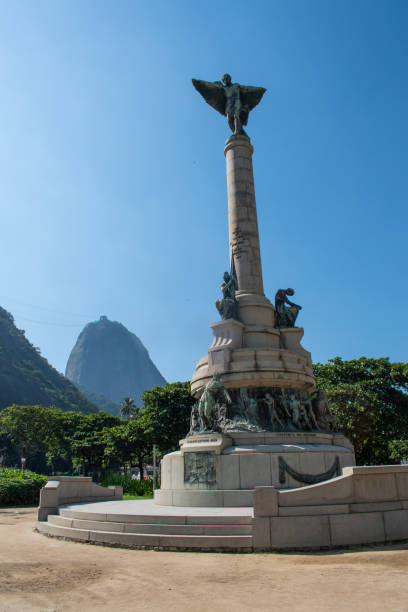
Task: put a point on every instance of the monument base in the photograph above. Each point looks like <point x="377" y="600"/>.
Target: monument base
<point x="223" y="470"/>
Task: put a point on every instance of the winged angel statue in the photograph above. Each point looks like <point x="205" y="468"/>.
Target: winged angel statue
<point x="232" y="100"/>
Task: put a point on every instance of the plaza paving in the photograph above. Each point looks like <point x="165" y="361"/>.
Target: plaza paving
<point x="44" y="574"/>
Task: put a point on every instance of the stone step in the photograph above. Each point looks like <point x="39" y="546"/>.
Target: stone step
<point x="152" y="528"/>
<point x="239" y="543"/>
<point x="163" y="519"/>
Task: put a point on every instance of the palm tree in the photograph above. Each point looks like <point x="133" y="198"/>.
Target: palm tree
<point x="128" y="408"/>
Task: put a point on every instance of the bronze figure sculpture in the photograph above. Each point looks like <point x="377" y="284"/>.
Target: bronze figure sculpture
<point x="212" y="405"/>
<point x="325" y="420"/>
<point x="228" y="306"/>
<point x="232" y="100"/>
<point x="285" y="316"/>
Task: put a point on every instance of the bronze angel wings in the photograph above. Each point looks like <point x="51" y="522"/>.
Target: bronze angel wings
<point x="214" y="95"/>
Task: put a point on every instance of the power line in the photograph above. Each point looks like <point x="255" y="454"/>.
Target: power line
<point x="72" y="314"/>
<point x="51" y="323"/>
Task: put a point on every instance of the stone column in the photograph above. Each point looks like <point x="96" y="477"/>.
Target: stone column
<point x="242" y="217"/>
<point x="255" y="310"/>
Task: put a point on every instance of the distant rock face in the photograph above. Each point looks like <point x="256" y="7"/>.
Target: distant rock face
<point x="108" y="359"/>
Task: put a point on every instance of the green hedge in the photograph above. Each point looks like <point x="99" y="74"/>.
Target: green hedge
<point x="20" y="488"/>
<point x="130" y="486"/>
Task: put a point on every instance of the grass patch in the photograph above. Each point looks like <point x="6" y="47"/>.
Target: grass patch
<point x="138" y="488"/>
<point x="127" y="496"/>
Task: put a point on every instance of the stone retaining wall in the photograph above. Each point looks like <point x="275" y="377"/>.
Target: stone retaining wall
<point x="362" y="506"/>
<point x="61" y="490"/>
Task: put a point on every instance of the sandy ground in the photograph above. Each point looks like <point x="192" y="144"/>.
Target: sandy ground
<point x="44" y="574"/>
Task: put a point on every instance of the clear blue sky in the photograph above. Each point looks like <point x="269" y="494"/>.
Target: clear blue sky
<point x="112" y="173"/>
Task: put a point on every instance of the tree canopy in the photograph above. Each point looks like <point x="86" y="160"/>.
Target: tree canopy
<point x="165" y="416"/>
<point x="128" y="408"/>
<point x="128" y="443"/>
<point x="72" y="441"/>
<point x="369" y="399"/>
<point x="30" y="428"/>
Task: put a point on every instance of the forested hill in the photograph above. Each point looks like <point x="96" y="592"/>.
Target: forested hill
<point x="26" y="378"/>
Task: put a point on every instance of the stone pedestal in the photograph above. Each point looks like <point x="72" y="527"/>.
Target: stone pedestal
<point x="223" y="470"/>
<point x="256" y="367"/>
<point x="227" y="335"/>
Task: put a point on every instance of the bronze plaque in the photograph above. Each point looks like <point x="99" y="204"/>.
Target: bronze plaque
<point x="199" y="470"/>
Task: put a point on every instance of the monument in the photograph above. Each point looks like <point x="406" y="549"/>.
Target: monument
<point x="262" y="467"/>
<point x="258" y="419"/>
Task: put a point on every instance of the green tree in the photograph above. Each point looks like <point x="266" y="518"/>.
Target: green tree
<point x="128" y="408"/>
<point x="9" y="453"/>
<point x="127" y="444"/>
<point x="369" y="400"/>
<point x="32" y="429"/>
<point x="165" y="415"/>
<point x="88" y="442"/>
<point x="59" y="453"/>
<point x="399" y="450"/>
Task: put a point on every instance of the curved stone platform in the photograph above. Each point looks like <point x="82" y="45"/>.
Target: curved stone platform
<point x="365" y="505"/>
<point x="142" y="524"/>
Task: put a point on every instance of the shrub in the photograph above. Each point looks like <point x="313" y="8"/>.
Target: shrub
<point x="20" y="487"/>
<point x="129" y="484"/>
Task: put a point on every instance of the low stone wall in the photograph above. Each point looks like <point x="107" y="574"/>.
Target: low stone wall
<point x="61" y="490"/>
<point x="364" y="505"/>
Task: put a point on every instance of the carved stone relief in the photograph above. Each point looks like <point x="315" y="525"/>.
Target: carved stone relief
<point x="307" y="478"/>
